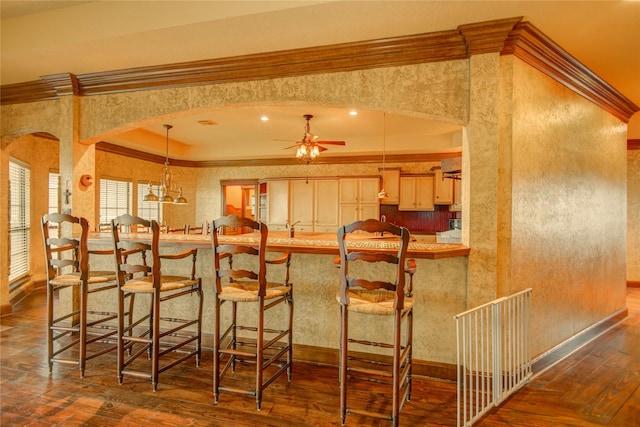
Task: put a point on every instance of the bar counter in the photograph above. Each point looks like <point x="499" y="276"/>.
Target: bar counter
<point x="440" y="291"/>
<point x="312" y="243"/>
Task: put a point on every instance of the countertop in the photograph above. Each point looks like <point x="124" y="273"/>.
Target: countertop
<point x="311" y="243"/>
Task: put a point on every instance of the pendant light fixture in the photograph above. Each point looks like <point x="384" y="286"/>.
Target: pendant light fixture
<point x="167" y="186"/>
<point x="383" y="194"/>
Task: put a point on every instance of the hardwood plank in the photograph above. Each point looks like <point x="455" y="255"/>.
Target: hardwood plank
<point x="597" y="385"/>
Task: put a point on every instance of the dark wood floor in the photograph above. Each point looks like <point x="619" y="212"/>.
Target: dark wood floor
<point x="598" y="385"/>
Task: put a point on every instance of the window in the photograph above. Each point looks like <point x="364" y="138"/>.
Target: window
<point x="20" y="219"/>
<point x="54" y="200"/>
<point x="149" y="210"/>
<point x="115" y="199"/>
<point x="54" y="196"/>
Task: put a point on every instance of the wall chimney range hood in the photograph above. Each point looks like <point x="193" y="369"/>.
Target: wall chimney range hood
<point x="451" y="167"/>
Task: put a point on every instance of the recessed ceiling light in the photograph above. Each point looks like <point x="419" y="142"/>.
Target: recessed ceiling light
<point x="353" y="113"/>
<point x="264" y="118"/>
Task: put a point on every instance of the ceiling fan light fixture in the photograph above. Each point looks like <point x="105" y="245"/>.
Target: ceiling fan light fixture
<point x="309" y="147"/>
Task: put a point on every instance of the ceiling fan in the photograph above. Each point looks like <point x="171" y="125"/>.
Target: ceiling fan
<point x="309" y="147"/>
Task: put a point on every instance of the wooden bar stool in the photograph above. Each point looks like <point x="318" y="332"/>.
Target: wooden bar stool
<point x="178" y="337"/>
<point x="67" y="262"/>
<point x="373" y="283"/>
<point x="247" y="283"/>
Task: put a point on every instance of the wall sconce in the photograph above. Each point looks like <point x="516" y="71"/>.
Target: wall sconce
<point x="86" y="180"/>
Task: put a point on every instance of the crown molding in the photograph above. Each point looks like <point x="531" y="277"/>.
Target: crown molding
<point x="530" y="45"/>
<point x="512" y="36"/>
<point x="288" y="161"/>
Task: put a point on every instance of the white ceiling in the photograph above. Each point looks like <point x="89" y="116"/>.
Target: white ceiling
<point x="92" y="36"/>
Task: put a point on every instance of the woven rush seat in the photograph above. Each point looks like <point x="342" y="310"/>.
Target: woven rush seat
<point x="74" y="279"/>
<point x="168" y="283"/>
<point x="374" y="302"/>
<point x="247" y="291"/>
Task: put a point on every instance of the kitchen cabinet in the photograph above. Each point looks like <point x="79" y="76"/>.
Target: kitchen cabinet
<point x="325" y="206"/>
<point x="314" y="205"/>
<point x="262" y="202"/>
<point x="301" y="197"/>
<point x="443" y="189"/>
<point x="457" y="196"/>
<point x="391" y="184"/>
<point x="277" y="204"/>
<point x="416" y="193"/>
<point x="359" y="199"/>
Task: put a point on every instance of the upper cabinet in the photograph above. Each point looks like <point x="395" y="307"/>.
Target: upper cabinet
<point x="278" y="204"/>
<point x="359" y="199"/>
<point x="391" y="185"/>
<point x="457" y="196"/>
<point x="314" y="205"/>
<point x="301" y="199"/>
<point x="416" y="193"/>
<point x="325" y="207"/>
<point x="443" y="189"/>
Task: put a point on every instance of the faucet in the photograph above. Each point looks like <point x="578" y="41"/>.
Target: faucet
<point x="383" y="218"/>
<point x="291" y="228"/>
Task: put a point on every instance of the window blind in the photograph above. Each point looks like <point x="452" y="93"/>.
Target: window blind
<point x="115" y="199"/>
<point x="20" y="219"/>
<point x="54" y="196"/>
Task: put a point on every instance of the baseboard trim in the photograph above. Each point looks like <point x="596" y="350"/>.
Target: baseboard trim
<point x="21" y="292"/>
<point x="566" y="348"/>
<point x="633" y="284"/>
<point x="330" y="357"/>
<point x="6" y="309"/>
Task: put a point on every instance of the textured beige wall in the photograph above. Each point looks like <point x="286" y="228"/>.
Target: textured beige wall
<point x="438" y="90"/>
<point x="633" y="215"/>
<point x="568" y="200"/>
<point x="480" y="178"/>
<point x="42" y="157"/>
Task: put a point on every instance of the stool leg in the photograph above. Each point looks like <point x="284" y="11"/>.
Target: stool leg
<point x="290" y="340"/>
<point x="216" y="350"/>
<point x="83" y="328"/>
<point x="344" y="332"/>
<point x="199" y="314"/>
<point x="50" y="297"/>
<point x="410" y="353"/>
<point x="234" y="333"/>
<point x="120" y="349"/>
<point x="396" y="367"/>
<point x="155" y="339"/>
<point x="260" y="352"/>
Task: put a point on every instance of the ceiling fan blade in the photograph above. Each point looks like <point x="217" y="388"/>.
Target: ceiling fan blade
<point x="292" y="146"/>
<point x="331" y="142"/>
<point x="321" y="148"/>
